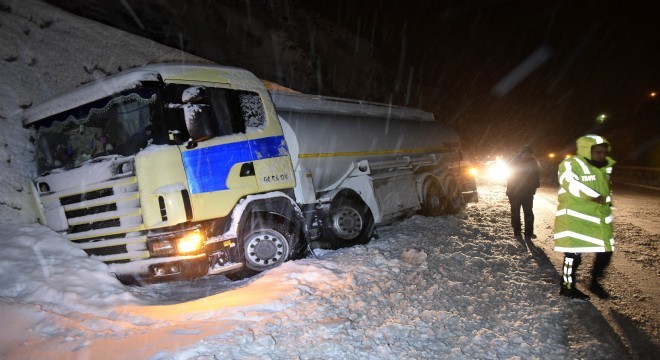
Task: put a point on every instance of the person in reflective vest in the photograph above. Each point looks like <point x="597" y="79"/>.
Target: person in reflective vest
<point x="583" y="223"/>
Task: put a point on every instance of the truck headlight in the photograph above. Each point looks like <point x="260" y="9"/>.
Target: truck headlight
<point x="162" y="247"/>
<point x="177" y="244"/>
<point x="190" y="243"/>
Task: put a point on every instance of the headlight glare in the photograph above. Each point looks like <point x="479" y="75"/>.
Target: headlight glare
<point x="190" y="243"/>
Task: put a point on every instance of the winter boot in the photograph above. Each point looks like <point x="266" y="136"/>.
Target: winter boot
<point x="598" y="290"/>
<point x="571" y="264"/>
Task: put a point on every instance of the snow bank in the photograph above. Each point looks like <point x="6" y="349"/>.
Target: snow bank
<point x="46" y="51"/>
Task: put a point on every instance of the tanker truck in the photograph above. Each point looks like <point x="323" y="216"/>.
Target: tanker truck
<point x="169" y="171"/>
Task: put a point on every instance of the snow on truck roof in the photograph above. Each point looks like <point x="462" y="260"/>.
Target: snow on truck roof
<point x="330" y="105"/>
<point x="131" y="78"/>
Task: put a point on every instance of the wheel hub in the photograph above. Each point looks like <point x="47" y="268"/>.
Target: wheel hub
<point x="347" y="223"/>
<point x="265" y="249"/>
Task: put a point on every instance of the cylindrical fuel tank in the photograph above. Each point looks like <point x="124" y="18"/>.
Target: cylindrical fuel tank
<point x="330" y="134"/>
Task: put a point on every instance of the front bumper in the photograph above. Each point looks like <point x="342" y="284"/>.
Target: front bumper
<point x="161" y="269"/>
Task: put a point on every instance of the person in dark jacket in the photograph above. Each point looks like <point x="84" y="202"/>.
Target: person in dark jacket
<point x="523" y="180"/>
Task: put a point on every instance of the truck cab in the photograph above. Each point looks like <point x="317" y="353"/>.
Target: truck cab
<point x="143" y="170"/>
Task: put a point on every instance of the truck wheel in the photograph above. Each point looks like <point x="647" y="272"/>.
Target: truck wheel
<point x="432" y="205"/>
<point x="266" y="243"/>
<point x="453" y="200"/>
<point x="351" y="222"/>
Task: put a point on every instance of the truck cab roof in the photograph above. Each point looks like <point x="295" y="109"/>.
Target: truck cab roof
<point x="131" y="78"/>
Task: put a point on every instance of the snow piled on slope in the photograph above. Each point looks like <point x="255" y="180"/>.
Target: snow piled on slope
<point x="45" y="51"/>
<point x="444" y="287"/>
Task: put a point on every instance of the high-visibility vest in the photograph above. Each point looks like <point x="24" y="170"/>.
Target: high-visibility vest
<point x="581" y="224"/>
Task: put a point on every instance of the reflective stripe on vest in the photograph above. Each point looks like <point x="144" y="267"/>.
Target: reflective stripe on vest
<point x="579" y="215"/>
<point x="591" y="249"/>
<point x="574" y="185"/>
<point x="582" y="237"/>
<point x="584" y="167"/>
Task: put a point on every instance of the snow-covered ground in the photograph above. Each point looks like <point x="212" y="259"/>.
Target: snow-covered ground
<point x="445" y="287"/>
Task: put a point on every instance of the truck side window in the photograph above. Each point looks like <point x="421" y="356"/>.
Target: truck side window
<point x="252" y="109"/>
<point x="221" y="109"/>
<point x="237" y="110"/>
<point x="229" y="111"/>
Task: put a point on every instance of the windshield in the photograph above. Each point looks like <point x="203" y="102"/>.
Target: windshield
<point x="127" y="122"/>
<point x="112" y="126"/>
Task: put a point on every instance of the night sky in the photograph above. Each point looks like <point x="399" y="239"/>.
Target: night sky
<point x="503" y="73"/>
<point x="581" y="59"/>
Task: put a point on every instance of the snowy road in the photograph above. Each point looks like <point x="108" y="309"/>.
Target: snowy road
<point x="634" y="274"/>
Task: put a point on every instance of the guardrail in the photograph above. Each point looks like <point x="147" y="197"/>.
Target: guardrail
<point x="637" y="175"/>
<point x="646" y="177"/>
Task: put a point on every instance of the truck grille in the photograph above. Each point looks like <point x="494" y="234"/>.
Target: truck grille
<point x="91" y="195"/>
<point x="105" y="220"/>
<point x="108" y="250"/>
<point x="95" y="225"/>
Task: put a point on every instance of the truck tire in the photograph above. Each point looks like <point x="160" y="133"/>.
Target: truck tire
<point x="433" y="202"/>
<point x="453" y="197"/>
<point x="351" y="223"/>
<point x="266" y="242"/>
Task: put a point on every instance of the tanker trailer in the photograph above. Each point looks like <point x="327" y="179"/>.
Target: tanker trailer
<point x="360" y="164"/>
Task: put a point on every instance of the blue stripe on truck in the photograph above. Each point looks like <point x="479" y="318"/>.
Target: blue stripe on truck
<point x="207" y="168"/>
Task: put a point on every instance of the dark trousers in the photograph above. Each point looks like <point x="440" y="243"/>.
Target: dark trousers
<point x="573" y="260"/>
<point x="526" y="202"/>
<point x="600" y="264"/>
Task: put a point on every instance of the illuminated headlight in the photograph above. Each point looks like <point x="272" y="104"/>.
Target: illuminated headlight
<point x="177" y="244"/>
<point x="473" y="171"/>
<point x="190" y="243"/>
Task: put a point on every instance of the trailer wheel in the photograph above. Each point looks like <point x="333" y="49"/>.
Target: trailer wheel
<point x="453" y="200"/>
<point x="266" y="243"/>
<point x="351" y="222"/>
<point x="433" y="203"/>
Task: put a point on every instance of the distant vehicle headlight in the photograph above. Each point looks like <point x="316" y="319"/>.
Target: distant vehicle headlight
<point x="498" y="171"/>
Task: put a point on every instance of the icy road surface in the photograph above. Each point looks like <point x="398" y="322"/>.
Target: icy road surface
<point x="633" y="277"/>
